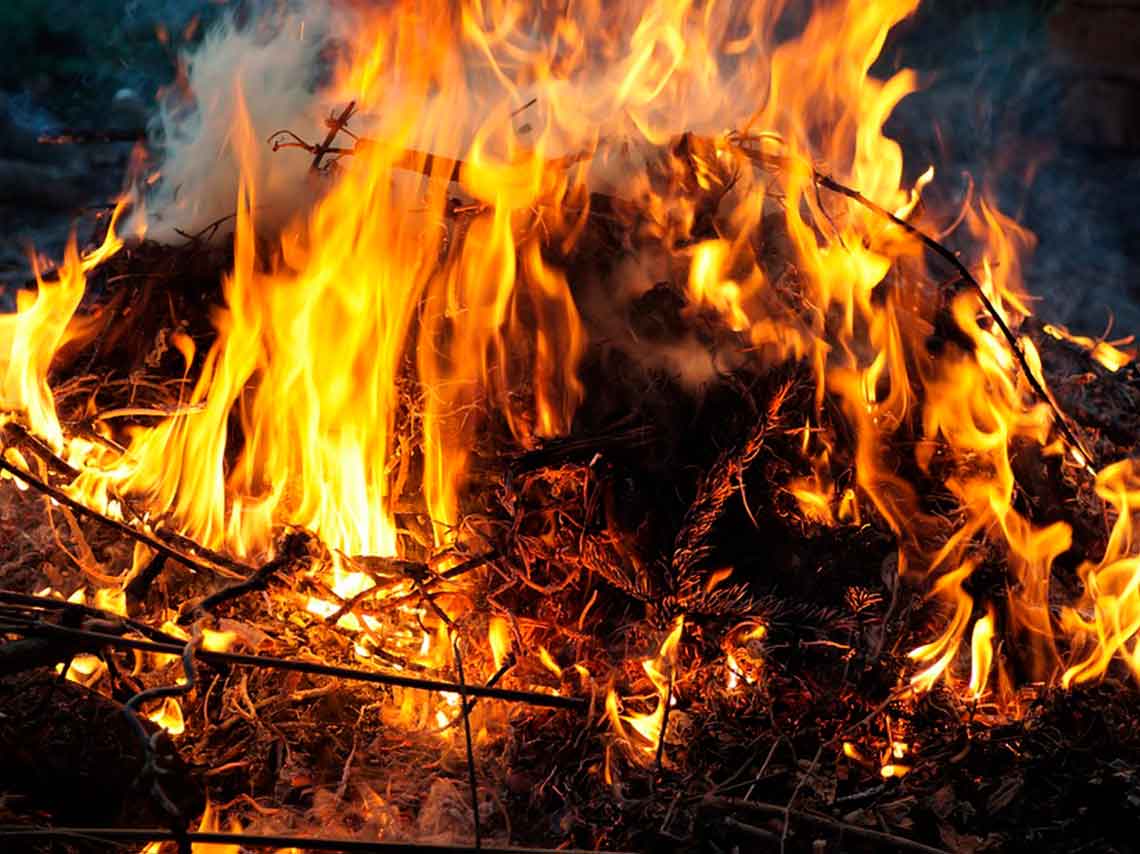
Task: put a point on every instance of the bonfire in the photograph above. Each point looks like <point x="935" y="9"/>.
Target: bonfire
<point x="558" y="427"/>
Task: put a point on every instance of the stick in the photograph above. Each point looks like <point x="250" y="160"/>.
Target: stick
<point x="105" y="618"/>
<point x="69" y="136"/>
<point x="139" y="586"/>
<point x="335" y="127"/>
<point x="30" y="653"/>
<point x="82" y="509"/>
<point x="471" y="779"/>
<point x="293" y="549"/>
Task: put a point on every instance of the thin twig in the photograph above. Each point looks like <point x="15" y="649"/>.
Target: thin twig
<point x="795" y="794"/>
<point x="335" y="124"/>
<point x="470" y="748"/>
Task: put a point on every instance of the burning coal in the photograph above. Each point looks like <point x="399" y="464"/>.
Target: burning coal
<point x="439" y="266"/>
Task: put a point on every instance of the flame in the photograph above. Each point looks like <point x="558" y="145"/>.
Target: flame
<point x="211" y="823"/>
<point x="216" y="641"/>
<point x="41" y="324"/>
<point x="499" y="638"/>
<point x="731" y="670"/>
<point x="941" y="652"/>
<point x="1106" y="622"/>
<point x="86" y="669"/>
<point x="645" y="728"/>
<point x="169" y="716"/>
<point x="112" y="600"/>
<point x="548" y="662"/>
<point x="895" y="755"/>
<point x="1107" y="353"/>
<point x="982" y="655"/>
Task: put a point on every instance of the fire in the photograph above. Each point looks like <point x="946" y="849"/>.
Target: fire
<point x="1106" y="622"/>
<point x="211" y="823"/>
<point x="646" y="728"/>
<point x="169" y="716"/>
<point x="43" y="322"/>
<point x="499" y="638"/>
<point x="85" y="669"/>
<point x="941" y="652"/>
<point x="742" y="660"/>
<point x="382" y="313"/>
<point x="548" y="662"/>
<point x="1107" y="353"/>
<point x="982" y="655"/>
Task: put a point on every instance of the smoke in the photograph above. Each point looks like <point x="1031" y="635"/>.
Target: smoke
<point x="272" y="66"/>
<point x="995" y="101"/>
<point x="279" y="61"/>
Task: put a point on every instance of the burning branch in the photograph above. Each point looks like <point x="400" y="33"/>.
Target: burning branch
<point x="22" y="475"/>
<point x="1087" y="461"/>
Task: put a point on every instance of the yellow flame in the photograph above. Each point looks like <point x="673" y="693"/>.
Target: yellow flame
<point x="210" y="823"/>
<point x="645" y="728"/>
<point x="548" y="661"/>
<point x="499" y="637"/>
<point x="1106" y="622"/>
<point x="169" y="716"/>
<point x="1105" y="352"/>
<point x="982" y="655"/>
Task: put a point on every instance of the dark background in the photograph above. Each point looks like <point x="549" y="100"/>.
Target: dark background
<point x="1039" y="99"/>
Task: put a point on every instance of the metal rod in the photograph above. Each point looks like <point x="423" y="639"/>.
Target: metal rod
<point x="297" y="666"/>
<point x="470" y="748"/>
<point x="249" y="840"/>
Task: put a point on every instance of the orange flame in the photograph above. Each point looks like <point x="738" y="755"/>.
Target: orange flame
<point x="169" y="716"/>
<point x="645" y="728"/>
<point x="1107" y="353"/>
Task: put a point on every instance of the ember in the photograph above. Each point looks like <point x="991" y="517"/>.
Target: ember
<point x="608" y="428"/>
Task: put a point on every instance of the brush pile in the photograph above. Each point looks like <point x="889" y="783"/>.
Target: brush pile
<point x="597" y="486"/>
<point x="789" y="722"/>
